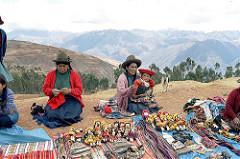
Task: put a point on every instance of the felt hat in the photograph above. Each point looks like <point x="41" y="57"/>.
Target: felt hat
<point x="62" y="57"/>
<point x="131" y="59"/>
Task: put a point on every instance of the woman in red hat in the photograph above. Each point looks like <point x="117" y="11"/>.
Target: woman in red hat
<point x="64" y="88"/>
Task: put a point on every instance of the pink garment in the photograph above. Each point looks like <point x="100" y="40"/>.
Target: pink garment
<point x="123" y="93"/>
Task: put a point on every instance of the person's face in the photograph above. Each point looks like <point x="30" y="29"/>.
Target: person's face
<point x="2" y="86"/>
<point x="146" y="77"/>
<point x="62" y="68"/>
<point x="132" y="69"/>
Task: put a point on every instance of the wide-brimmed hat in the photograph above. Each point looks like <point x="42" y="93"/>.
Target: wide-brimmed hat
<point x="147" y="71"/>
<point x="131" y="59"/>
<point x="1" y="21"/>
<point x="62" y="57"/>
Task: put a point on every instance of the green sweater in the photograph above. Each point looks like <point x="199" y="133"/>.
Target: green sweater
<point x="62" y="80"/>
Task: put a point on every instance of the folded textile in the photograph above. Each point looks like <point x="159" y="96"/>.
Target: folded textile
<point x="16" y="134"/>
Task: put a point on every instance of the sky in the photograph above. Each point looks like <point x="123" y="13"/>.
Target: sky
<point x="89" y="15"/>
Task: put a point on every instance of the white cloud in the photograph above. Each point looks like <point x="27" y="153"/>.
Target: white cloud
<point x="85" y="15"/>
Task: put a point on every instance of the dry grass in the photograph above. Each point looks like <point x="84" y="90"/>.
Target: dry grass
<point x="172" y="101"/>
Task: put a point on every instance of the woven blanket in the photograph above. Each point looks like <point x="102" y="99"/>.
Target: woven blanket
<point x="37" y="150"/>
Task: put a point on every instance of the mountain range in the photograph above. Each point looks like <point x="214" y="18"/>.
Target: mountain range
<point x="164" y="48"/>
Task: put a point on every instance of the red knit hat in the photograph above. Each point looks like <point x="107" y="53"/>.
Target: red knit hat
<point x="147" y="71"/>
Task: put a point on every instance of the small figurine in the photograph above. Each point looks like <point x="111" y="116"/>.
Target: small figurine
<point x="97" y="128"/>
<point x="72" y="135"/>
<point x="89" y="138"/>
<point x="98" y="140"/>
<point x="79" y="135"/>
<point x="122" y="128"/>
<point x="127" y="130"/>
<point x="132" y="135"/>
<point x="105" y="134"/>
<point x="161" y="125"/>
<point x="114" y="130"/>
<point x="145" y="114"/>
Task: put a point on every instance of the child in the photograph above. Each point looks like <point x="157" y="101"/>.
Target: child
<point x="143" y="88"/>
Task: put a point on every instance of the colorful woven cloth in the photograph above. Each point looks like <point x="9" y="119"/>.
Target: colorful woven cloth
<point x="37" y="150"/>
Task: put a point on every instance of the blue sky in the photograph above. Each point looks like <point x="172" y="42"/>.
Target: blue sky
<point x="88" y="15"/>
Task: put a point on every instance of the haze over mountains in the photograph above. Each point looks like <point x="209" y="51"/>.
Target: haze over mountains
<point x="164" y="48"/>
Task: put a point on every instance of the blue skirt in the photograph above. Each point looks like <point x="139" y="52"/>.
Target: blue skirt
<point x="137" y="108"/>
<point x="5" y="121"/>
<point x="65" y="115"/>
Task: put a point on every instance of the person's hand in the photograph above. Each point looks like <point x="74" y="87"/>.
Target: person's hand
<point x="137" y="83"/>
<point x="146" y="84"/>
<point x="141" y="82"/>
<point x="66" y="91"/>
<point x="142" y="95"/>
<point x="55" y="91"/>
<point x="236" y="121"/>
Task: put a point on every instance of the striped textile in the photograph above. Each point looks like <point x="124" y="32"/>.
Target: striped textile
<point x="37" y="150"/>
<point x="148" y="152"/>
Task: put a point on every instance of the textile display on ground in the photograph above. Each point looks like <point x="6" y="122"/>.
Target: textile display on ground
<point x="108" y="109"/>
<point x="191" y="143"/>
<point x="35" y="150"/>
<point x="117" y="140"/>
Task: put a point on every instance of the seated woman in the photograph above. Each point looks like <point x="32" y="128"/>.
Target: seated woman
<point x="8" y="111"/>
<point x="232" y="109"/>
<point x="64" y="88"/>
<point x="125" y="87"/>
<point x="10" y="132"/>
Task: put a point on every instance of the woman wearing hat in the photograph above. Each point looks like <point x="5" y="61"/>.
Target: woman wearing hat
<point x="125" y="82"/>
<point x="126" y="88"/>
<point x="64" y="88"/>
<point x="3" y="48"/>
<point x="8" y="111"/>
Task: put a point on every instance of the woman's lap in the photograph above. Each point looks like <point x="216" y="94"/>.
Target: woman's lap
<point x="137" y="108"/>
<point x="70" y="110"/>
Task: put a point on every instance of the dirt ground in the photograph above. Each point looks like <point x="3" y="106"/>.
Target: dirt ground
<point x="171" y="101"/>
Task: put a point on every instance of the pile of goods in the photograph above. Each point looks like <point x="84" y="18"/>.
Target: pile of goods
<point x="163" y="121"/>
<point x="204" y="118"/>
<point x="102" y="140"/>
<point x="102" y="133"/>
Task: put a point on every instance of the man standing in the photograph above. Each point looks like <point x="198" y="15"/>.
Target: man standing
<point x="3" y="48"/>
